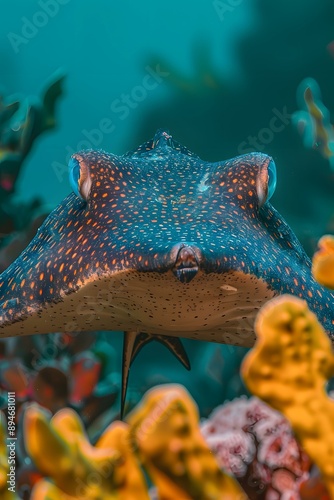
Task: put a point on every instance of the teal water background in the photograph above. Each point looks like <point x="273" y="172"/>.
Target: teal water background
<point x="229" y="64"/>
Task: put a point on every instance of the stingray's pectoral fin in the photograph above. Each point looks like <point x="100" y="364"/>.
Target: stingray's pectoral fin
<point x="134" y="342"/>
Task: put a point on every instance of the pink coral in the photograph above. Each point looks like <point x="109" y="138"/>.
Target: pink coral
<point x="234" y="450"/>
<point x="256" y="444"/>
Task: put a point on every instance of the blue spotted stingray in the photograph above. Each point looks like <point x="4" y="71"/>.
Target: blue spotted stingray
<point x="161" y="245"/>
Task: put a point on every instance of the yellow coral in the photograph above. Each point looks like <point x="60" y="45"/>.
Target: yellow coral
<point x="165" y="432"/>
<point x="61" y="451"/>
<point x="288" y="367"/>
<point x="313" y="120"/>
<point x="323" y="262"/>
<point x="5" y="493"/>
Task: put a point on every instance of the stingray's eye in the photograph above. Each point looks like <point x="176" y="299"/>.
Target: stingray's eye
<point x="272" y="178"/>
<point x="266" y="183"/>
<point x="74" y="173"/>
<point x="79" y="178"/>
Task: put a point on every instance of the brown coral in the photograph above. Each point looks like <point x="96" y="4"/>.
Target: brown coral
<point x="288" y="367"/>
<point x="165" y="431"/>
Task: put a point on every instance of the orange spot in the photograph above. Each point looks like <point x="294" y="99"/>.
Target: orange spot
<point x="61" y="267"/>
<point x="41" y="276"/>
<point x="22" y="283"/>
<point x="309" y="293"/>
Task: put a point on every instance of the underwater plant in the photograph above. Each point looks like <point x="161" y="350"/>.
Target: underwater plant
<point x="57" y="371"/>
<point x="313" y="120"/>
<point x="21" y="123"/>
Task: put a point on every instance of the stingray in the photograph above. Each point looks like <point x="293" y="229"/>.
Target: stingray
<point x="161" y="245"/>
